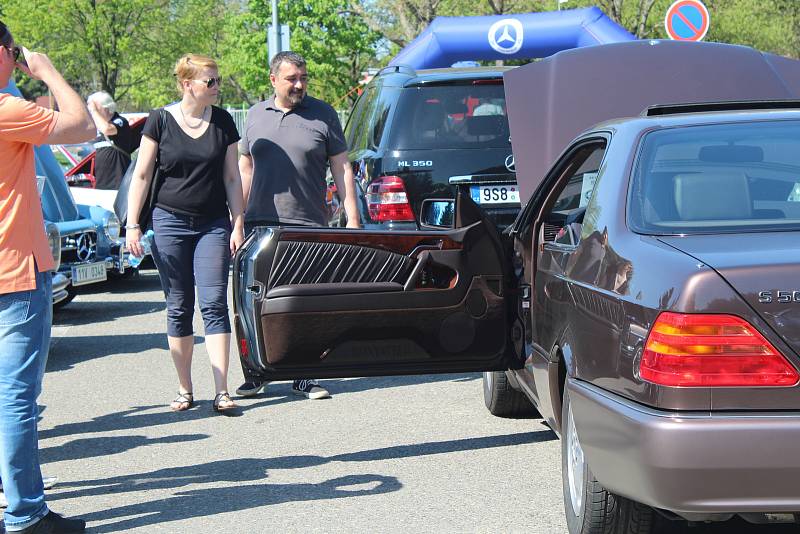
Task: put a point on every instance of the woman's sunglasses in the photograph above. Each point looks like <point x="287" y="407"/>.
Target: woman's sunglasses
<point x="211" y="82"/>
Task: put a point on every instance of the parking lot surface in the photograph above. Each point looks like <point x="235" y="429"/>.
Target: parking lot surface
<point x="393" y="454"/>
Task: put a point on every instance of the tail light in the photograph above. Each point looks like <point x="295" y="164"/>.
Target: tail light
<point x="388" y="200"/>
<point x="694" y="350"/>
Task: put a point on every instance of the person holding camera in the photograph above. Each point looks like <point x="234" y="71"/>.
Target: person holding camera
<point x="25" y="280"/>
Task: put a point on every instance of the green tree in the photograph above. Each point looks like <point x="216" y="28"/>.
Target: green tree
<point x="124" y="47"/>
<point x="335" y="41"/>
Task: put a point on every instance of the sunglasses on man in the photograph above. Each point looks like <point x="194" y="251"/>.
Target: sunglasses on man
<point x="211" y="82"/>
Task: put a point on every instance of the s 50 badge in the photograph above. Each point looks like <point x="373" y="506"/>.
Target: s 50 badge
<point x="783" y="297"/>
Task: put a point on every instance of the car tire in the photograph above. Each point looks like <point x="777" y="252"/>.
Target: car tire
<point x="502" y="400"/>
<point x="589" y="507"/>
<point x="71" y="294"/>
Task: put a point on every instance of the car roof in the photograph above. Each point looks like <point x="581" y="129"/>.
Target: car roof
<point x="643" y="122"/>
<point x="408" y="77"/>
<point x="551" y="101"/>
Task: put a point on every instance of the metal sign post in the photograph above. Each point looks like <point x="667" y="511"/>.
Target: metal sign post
<point x="277" y="34"/>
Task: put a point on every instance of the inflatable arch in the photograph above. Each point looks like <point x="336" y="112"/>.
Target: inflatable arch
<point x="524" y="36"/>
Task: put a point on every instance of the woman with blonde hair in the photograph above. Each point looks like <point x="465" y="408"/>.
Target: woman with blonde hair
<point x="197" y="217"/>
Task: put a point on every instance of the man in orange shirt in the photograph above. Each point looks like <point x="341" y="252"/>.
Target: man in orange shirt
<point x="25" y="281"/>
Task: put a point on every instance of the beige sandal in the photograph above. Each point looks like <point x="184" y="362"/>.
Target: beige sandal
<point x="182" y="402"/>
<point x="223" y="402"/>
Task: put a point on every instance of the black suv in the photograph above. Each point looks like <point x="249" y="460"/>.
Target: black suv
<point x="414" y="135"/>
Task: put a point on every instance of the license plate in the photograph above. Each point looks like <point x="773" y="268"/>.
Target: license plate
<point x="495" y="194"/>
<point x="89" y="273"/>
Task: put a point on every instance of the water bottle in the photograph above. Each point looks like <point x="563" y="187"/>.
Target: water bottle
<point x="145" y="241"/>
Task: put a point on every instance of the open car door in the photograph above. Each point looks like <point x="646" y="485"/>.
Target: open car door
<point x="326" y="302"/>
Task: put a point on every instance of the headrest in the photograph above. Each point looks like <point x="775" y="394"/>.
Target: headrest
<point x="706" y="196"/>
<point x="430" y="116"/>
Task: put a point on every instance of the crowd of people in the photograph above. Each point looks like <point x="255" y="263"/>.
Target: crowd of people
<point x="196" y="183"/>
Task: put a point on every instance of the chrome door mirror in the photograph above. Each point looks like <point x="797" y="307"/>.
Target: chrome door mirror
<point x="437" y="213"/>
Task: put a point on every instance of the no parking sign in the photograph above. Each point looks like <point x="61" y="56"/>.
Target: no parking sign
<point x="687" y="20"/>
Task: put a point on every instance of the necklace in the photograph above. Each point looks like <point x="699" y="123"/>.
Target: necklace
<point x="199" y="124"/>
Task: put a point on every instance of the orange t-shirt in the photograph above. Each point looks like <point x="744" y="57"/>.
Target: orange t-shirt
<point x="23" y="242"/>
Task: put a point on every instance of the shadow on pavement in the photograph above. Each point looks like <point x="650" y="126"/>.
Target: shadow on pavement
<point x="201" y="502"/>
<point x="134" y="419"/>
<point x="67" y="351"/>
<point x="94" y="447"/>
<point x="211" y="501"/>
<point x="82" y="313"/>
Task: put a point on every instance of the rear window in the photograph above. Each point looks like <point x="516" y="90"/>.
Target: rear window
<point x="720" y="178"/>
<point x="451" y="116"/>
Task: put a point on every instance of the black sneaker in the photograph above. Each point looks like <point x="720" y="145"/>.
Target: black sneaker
<point x="251" y="388"/>
<point x="53" y="523"/>
<point x="310" y="389"/>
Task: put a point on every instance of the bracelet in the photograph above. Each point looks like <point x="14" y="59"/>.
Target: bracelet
<point x="132" y="227"/>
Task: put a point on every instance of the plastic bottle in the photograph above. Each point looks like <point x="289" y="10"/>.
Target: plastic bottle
<point x="145" y="241"/>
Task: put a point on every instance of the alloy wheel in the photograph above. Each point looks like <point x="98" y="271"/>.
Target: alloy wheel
<point x="575" y="466"/>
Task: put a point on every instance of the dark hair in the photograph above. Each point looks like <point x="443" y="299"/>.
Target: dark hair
<point x="5" y="34"/>
<point x="286" y="57"/>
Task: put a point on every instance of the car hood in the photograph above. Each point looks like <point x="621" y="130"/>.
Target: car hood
<point x="758" y="266"/>
<point x="550" y="102"/>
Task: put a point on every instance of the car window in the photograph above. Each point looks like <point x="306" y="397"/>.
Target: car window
<point x="354" y="122"/>
<point x="380" y="116"/>
<point x="471" y="115"/>
<point x="564" y="220"/>
<point x="718" y="178"/>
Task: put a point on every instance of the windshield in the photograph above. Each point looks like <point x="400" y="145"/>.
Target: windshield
<point x="451" y="116"/>
<point x="720" y="178"/>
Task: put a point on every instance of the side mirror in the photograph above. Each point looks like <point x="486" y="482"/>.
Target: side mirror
<point x="437" y="213"/>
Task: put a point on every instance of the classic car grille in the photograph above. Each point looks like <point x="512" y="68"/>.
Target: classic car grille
<point x="78" y="248"/>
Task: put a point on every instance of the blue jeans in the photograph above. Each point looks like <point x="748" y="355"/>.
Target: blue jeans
<point x="25" y="319"/>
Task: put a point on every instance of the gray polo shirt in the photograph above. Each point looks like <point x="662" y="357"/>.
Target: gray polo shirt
<point x="290" y="154"/>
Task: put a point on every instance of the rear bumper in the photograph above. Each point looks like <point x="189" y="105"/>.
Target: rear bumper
<point x="691" y="463"/>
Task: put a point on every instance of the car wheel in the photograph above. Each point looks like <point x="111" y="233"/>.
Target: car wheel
<point x="502" y="400"/>
<point x="71" y="293"/>
<point x="589" y="507"/>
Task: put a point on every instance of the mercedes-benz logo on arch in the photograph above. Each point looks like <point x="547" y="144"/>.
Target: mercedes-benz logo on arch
<point x="506" y="36"/>
<point x="510" y="165"/>
<point x="85" y="247"/>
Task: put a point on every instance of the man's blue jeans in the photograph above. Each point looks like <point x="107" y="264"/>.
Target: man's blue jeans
<point x="25" y="320"/>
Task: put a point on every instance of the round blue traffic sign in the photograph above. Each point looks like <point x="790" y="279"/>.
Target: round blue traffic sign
<point x="687" y="20"/>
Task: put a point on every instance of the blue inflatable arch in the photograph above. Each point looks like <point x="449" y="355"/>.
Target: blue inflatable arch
<point x="525" y="36"/>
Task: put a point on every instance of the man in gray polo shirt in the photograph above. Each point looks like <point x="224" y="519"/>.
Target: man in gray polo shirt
<point x="287" y="144"/>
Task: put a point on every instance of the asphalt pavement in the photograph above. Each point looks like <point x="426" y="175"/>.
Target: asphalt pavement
<point x="393" y="454"/>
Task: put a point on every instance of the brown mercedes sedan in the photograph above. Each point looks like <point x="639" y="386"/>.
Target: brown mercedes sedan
<point x="646" y="302"/>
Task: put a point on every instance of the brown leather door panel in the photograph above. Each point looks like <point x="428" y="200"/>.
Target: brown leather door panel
<point x="333" y="303"/>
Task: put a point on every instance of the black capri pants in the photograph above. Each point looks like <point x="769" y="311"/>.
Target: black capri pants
<point x="193" y="251"/>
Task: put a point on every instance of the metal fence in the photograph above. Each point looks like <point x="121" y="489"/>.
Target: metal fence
<point x="240" y="114"/>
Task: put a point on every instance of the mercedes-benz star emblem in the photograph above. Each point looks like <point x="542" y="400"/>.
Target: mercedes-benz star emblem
<point x="510" y="165"/>
<point x="506" y="36"/>
<point x="85" y="247"/>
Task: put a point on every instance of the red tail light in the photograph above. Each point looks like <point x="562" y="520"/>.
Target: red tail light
<point x="388" y="200"/>
<point x="712" y="350"/>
